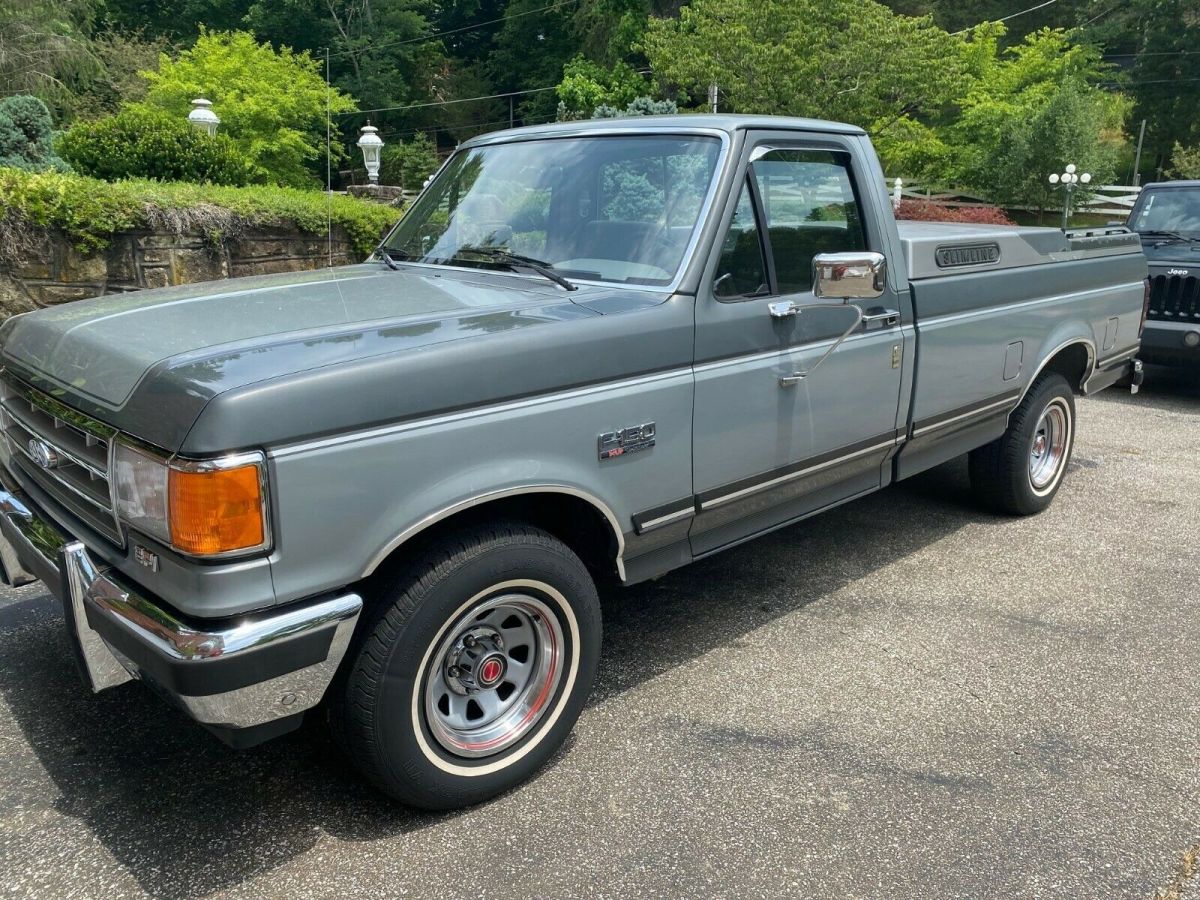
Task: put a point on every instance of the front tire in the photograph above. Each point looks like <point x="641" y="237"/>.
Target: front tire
<point x="474" y="670"/>
<point x="1020" y="472"/>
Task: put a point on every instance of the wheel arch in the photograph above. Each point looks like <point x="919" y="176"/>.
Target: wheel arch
<point x="579" y="519"/>
<point x="1073" y="358"/>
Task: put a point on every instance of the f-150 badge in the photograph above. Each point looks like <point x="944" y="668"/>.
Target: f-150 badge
<point x="627" y="440"/>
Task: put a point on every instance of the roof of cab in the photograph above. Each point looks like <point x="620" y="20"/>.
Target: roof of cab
<point x="1170" y="184"/>
<point x="665" y="124"/>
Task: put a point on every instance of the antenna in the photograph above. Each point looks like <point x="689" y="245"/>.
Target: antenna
<point x="328" y="169"/>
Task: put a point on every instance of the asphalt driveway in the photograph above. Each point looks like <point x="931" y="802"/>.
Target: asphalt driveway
<point x="906" y="697"/>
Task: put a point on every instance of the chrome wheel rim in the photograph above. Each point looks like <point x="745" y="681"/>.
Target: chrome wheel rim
<point x="1048" y="452"/>
<point x="494" y="675"/>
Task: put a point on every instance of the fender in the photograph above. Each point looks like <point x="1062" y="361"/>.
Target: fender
<point x="1088" y="344"/>
<point x="479" y="499"/>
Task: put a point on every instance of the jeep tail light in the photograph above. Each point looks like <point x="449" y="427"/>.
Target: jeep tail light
<point x="1145" y="307"/>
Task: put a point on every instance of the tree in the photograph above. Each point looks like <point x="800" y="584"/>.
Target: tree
<point x="1030" y="110"/>
<point x="1185" y="163"/>
<point x="271" y="103"/>
<point x="586" y="86"/>
<point x="639" y="106"/>
<point x="375" y="51"/>
<point x="44" y="49"/>
<point x="849" y="60"/>
<point x="25" y="135"/>
<point x="409" y="163"/>
<point x="1165" y="74"/>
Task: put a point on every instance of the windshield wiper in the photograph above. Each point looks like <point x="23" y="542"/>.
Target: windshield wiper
<point x="1173" y="235"/>
<point x="387" y="258"/>
<point x="508" y="258"/>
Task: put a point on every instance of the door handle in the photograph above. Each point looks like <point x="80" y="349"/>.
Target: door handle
<point x="888" y="317"/>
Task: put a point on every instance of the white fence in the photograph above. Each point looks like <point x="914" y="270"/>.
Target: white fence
<point x="1104" y="199"/>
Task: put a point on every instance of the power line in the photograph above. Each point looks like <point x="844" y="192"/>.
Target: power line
<point x="359" y="112"/>
<point x="464" y="28"/>
<point x="1013" y="16"/>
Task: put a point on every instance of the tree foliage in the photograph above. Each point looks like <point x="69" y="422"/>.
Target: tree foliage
<point x="586" y="85"/>
<point x="849" y="60"/>
<point x="144" y="142"/>
<point x="1185" y="163"/>
<point x="45" y="49"/>
<point x="272" y="103"/>
<point x="25" y="135"/>
<point x="408" y="163"/>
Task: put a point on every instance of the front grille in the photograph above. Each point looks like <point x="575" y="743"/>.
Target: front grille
<point x="78" y="445"/>
<point x="1174" y="298"/>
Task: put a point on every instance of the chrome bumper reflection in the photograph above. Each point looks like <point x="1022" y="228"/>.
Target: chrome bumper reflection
<point x="32" y="546"/>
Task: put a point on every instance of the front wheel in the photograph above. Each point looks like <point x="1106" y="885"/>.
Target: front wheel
<point x="475" y="669"/>
<point x="1020" y="472"/>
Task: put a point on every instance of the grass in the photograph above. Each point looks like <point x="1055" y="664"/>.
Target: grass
<point x="89" y="212"/>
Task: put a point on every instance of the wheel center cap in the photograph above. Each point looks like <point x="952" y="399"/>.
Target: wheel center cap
<point x="491" y="670"/>
<point x="1039" y="444"/>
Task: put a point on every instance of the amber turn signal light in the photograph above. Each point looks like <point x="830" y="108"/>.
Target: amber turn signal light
<point x="216" y="511"/>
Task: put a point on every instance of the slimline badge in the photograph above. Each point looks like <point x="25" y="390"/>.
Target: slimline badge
<point x="628" y="440"/>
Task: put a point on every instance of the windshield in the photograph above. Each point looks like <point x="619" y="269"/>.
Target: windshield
<point x="619" y="209"/>
<point x="1171" y="210"/>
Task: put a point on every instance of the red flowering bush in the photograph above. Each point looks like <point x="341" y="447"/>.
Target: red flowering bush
<point x="928" y="211"/>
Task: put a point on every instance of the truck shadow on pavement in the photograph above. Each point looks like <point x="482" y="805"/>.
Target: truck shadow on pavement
<point x="186" y="816"/>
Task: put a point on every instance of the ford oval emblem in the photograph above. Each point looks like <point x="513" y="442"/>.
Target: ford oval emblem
<point x="43" y="454"/>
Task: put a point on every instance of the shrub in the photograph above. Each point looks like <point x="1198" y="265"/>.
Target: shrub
<point x="1185" y="162"/>
<point x="272" y="103"/>
<point x="25" y="138"/>
<point x="639" y="106"/>
<point x="408" y="163"/>
<point x="929" y="211"/>
<point x="147" y="143"/>
<point x="89" y="212"/>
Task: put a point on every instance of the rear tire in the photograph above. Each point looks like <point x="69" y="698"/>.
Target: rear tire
<point x="476" y="666"/>
<point x="1020" y="472"/>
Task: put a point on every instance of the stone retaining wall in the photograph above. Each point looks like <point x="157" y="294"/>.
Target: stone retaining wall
<point x="136" y="260"/>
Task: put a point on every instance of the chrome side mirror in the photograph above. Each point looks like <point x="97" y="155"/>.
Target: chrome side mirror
<point x="849" y="276"/>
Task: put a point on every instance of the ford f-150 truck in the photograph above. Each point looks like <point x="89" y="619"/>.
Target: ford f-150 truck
<point x="1167" y="217"/>
<point x="588" y="350"/>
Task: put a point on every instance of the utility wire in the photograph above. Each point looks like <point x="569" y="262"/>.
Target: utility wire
<point x="1013" y="16"/>
<point x="426" y="105"/>
<point x="464" y="28"/>
<point x="359" y="112"/>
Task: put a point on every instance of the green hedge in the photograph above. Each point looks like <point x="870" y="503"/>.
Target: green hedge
<point x="139" y="142"/>
<point x="90" y="211"/>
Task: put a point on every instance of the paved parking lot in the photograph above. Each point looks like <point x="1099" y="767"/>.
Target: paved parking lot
<point x="904" y="698"/>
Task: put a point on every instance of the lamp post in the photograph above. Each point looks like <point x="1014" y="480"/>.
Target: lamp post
<point x="370" y="143"/>
<point x="1069" y="180"/>
<point x="202" y="116"/>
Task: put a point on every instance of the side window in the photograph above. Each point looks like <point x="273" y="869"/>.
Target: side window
<point x="742" y="271"/>
<point x="810" y="207"/>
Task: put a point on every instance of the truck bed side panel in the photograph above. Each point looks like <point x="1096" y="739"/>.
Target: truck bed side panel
<point x="983" y="337"/>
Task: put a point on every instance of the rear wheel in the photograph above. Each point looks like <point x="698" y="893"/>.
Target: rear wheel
<point x="475" y="669"/>
<point x="1020" y="472"/>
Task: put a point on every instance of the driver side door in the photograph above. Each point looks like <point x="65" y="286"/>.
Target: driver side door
<point x="769" y="448"/>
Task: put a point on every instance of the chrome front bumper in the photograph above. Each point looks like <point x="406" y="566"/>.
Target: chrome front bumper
<point x="252" y="673"/>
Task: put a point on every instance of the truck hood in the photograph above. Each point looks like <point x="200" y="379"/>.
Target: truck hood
<point x="148" y="361"/>
<point x="1161" y="253"/>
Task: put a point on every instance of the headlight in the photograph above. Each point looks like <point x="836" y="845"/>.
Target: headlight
<point x="203" y="508"/>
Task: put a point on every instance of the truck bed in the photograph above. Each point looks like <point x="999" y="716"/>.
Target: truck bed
<point x="941" y="249"/>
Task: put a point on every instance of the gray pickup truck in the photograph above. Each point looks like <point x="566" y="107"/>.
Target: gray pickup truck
<point x="593" y="350"/>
